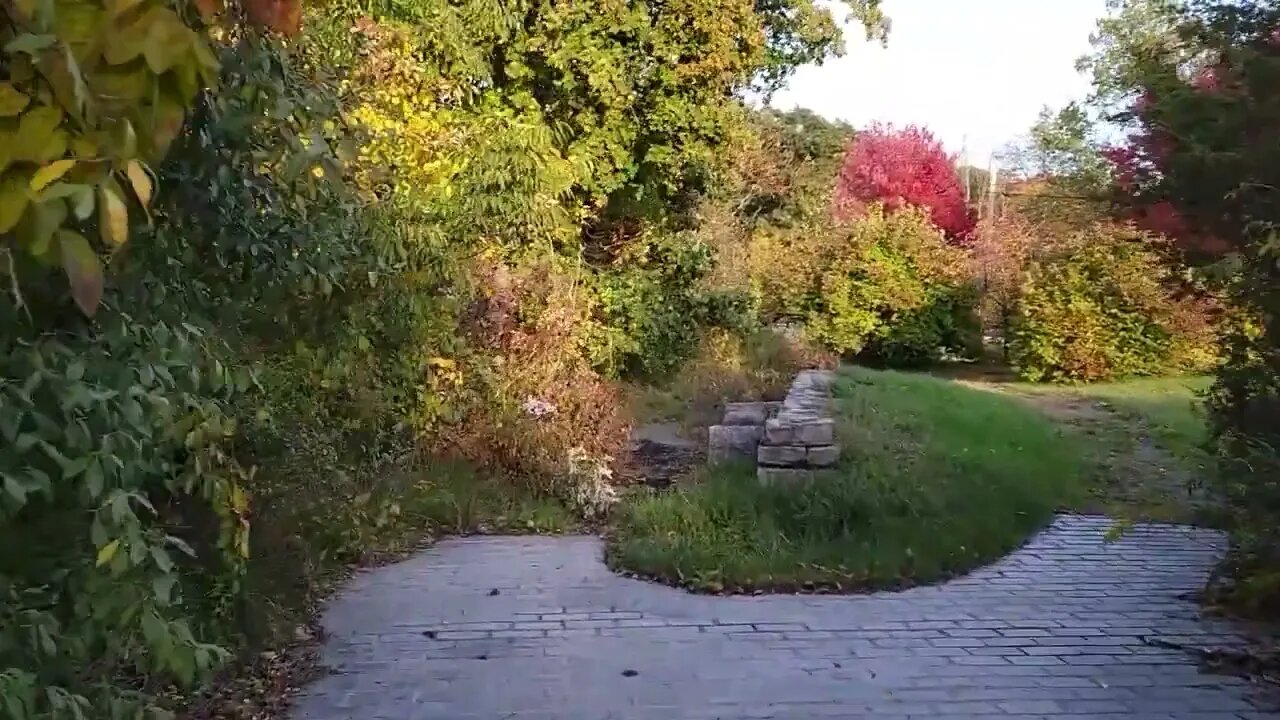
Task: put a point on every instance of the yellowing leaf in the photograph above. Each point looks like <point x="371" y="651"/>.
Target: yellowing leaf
<point x="54" y="147"/>
<point x="13" y="200"/>
<point x="124" y="139"/>
<point x="84" y="148"/>
<point x="12" y="101"/>
<point x="242" y="539"/>
<point x="78" y="25"/>
<point x="166" y="117"/>
<point x="120" y="7"/>
<point x="239" y="501"/>
<point x="84" y="270"/>
<point x="169" y="40"/>
<point x="141" y="181"/>
<point x="82" y="202"/>
<point x="207" y="60"/>
<point x="129" y="39"/>
<point x="47" y="174"/>
<point x="41" y="221"/>
<point x="113" y="218"/>
<point x="62" y="71"/>
<point x="36" y="129"/>
<point x="26" y="8"/>
<point x="107" y="552"/>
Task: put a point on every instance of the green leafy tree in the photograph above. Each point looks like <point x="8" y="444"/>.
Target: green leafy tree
<point x="1202" y="161"/>
<point x="1064" y="147"/>
<point x="1132" y="33"/>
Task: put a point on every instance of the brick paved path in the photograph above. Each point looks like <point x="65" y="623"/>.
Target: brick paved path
<point x="538" y="629"/>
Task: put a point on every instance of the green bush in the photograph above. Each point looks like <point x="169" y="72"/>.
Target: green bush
<point x="1109" y="306"/>
<point x="894" y="292"/>
<point x="1207" y="165"/>
<point x="652" y="311"/>
<point x="1244" y="404"/>
<point x="947" y="322"/>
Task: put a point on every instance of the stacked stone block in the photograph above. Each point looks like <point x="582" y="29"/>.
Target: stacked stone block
<point x="789" y="440"/>
<point x="800" y="439"/>
<point x="738" y="436"/>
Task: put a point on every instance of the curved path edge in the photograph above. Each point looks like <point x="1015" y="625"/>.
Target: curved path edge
<point x="538" y="628"/>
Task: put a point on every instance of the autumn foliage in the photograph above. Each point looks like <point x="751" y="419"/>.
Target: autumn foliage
<point x="901" y="168"/>
<point x="1204" y="165"/>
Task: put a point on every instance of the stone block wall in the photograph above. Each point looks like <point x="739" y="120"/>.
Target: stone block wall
<point x="788" y="440"/>
<point x="800" y="439"/>
<point x="738" y="436"/>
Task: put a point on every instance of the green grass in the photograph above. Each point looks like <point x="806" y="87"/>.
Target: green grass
<point x="1169" y="408"/>
<point x="935" y="478"/>
<point x="453" y="498"/>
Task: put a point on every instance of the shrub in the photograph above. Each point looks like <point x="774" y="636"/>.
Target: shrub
<point x="534" y="408"/>
<point x="652" y="310"/>
<point x="895" y="291"/>
<point x="999" y="256"/>
<point x="947" y="322"/>
<point x="1203" y="165"/>
<point x="786" y="265"/>
<point x="1109" y="307"/>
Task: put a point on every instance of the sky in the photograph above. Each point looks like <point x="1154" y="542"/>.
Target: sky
<point x="974" y="72"/>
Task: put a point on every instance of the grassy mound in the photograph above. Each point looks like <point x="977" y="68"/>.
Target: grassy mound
<point x="935" y="478"/>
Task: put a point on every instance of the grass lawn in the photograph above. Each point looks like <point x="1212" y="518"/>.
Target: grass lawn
<point x="1146" y="441"/>
<point x="1169" y="408"/>
<point x="935" y="478"/>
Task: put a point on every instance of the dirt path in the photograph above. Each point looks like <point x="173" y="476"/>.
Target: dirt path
<point x="1136" y="476"/>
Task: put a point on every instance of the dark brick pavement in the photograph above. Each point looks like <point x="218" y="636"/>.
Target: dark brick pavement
<point x="1069" y="627"/>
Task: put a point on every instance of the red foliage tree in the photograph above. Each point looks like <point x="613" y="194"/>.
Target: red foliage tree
<point x="900" y="168"/>
<point x="1141" y="166"/>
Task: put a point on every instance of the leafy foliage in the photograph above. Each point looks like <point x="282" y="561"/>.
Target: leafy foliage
<point x="999" y="257"/>
<point x="93" y="96"/>
<point x="1203" y="102"/>
<point x="887" y="286"/>
<point x="1108" y="306"/>
<point x="414" y="228"/>
<point x="904" y="168"/>
<point x="1063" y="150"/>
<point x="116" y="425"/>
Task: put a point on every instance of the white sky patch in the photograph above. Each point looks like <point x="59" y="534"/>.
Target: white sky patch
<point x="975" y="68"/>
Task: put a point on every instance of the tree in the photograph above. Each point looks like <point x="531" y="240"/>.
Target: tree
<point x="1134" y="31"/>
<point x="1064" y="148"/>
<point x="809" y="136"/>
<point x="904" y="168"/>
<point x="1203" y="162"/>
<point x="801" y="32"/>
<point x="313" y="284"/>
